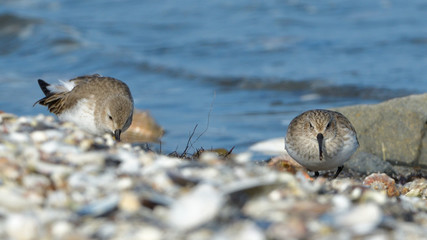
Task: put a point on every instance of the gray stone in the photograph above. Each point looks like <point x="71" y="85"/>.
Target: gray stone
<point x="367" y="163"/>
<point x="393" y="130"/>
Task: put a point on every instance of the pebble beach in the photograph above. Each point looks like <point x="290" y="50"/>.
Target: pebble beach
<point x="215" y="86"/>
<point x="58" y="182"/>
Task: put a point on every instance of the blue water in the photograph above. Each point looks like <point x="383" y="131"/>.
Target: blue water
<point x="239" y="69"/>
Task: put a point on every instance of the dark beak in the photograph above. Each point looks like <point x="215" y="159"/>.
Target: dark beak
<point x="320" y="141"/>
<point x="117" y="134"/>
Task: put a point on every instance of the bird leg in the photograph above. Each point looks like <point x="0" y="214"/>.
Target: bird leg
<point x="340" y="168"/>
<point x="316" y="174"/>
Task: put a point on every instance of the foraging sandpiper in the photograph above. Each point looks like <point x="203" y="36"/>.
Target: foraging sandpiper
<point x="321" y="140"/>
<point x="94" y="103"/>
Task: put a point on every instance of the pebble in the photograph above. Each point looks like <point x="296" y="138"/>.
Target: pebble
<point x="209" y="157"/>
<point x="99" y="207"/>
<point x="36" y="182"/>
<point x="124" y="183"/>
<point x="361" y="219"/>
<point x="130" y="164"/>
<point x="14" y="199"/>
<point x="61" y="229"/>
<point x="148" y="233"/>
<point x="341" y="204"/>
<point x="416" y="188"/>
<point x="195" y="208"/>
<point x="382" y="182"/>
<point x="82" y="159"/>
<point x="57" y="199"/>
<point x="241" y="231"/>
<point x="129" y="202"/>
<point x="22" y="227"/>
<point x="39" y="136"/>
<point x="19" y="137"/>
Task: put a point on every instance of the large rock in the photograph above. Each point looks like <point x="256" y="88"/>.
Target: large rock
<point x="366" y="163"/>
<point x="394" y="130"/>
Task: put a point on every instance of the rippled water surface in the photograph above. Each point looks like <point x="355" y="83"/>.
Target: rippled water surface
<point x="242" y="68"/>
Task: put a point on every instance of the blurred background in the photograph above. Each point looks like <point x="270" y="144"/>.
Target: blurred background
<point x="243" y="68"/>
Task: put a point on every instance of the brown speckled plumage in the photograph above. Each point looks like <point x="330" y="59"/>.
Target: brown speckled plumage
<point x="84" y="86"/>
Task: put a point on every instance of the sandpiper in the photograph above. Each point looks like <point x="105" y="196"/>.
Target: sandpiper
<point x="94" y="103"/>
<point x="321" y="140"/>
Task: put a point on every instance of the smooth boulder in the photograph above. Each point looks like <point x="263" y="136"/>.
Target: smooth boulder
<point x="394" y="130"/>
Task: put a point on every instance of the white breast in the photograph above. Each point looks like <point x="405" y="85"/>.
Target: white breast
<point x="82" y="114"/>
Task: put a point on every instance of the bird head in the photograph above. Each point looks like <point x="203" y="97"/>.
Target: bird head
<point x="322" y="126"/>
<point x="118" y="117"/>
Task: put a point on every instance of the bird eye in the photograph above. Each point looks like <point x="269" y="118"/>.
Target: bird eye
<point x="329" y="124"/>
<point x="110" y="117"/>
<point x="311" y="126"/>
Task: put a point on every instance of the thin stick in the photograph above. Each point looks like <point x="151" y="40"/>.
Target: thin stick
<point x="209" y="117"/>
<point x="189" y="142"/>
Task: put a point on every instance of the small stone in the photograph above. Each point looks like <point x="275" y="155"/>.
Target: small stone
<point x="200" y="234"/>
<point x="57" y="199"/>
<point x="40" y="118"/>
<point x="362" y="219"/>
<point x="109" y="140"/>
<point x="414" y="193"/>
<point x="129" y="202"/>
<point x="340" y="203"/>
<point x="61" y="229"/>
<point x="149" y="233"/>
<point x="6" y="116"/>
<point x="24" y="120"/>
<point x="35" y="198"/>
<point x="21" y="227"/>
<point x="275" y="146"/>
<point x="50" y="147"/>
<point x="356" y="193"/>
<point x="382" y="182"/>
<point x="100" y="207"/>
<point x="36" y="182"/>
<point x="14" y="199"/>
<point x="38" y="136"/>
<point x="374" y="196"/>
<point x="59" y="171"/>
<point x="209" y="157"/>
<point x="86" y="144"/>
<point x="275" y="195"/>
<point x="195" y="208"/>
<point x="130" y="163"/>
<point x="19" y="137"/>
<point x="242" y="157"/>
<point x="10" y="171"/>
<point x="124" y="183"/>
<point x="106" y="231"/>
<point x="293" y="228"/>
<point x="242" y="231"/>
<point x="82" y="159"/>
<point x="416" y="188"/>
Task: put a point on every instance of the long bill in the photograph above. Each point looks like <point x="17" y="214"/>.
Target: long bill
<point x="320" y="141"/>
<point x="117" y="133"/>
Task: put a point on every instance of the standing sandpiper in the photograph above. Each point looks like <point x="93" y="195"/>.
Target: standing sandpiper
<point x="94" y="103"/>
<point x="321" y="140"/>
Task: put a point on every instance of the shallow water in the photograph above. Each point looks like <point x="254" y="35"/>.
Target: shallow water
<point x="241" y="70"/>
